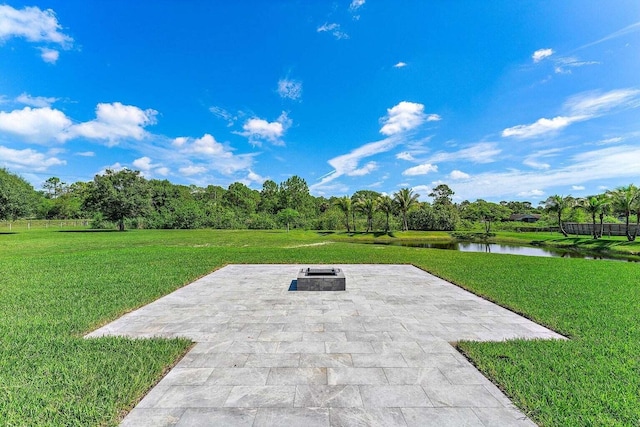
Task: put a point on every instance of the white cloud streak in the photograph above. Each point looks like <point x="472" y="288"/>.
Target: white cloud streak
<point x="483" y="152"/>
<point x="192" y="170"/>
<point x="622" y="32"/>
<point x="580" y="108"/>
<point x="592" y="166"/>
<point x="400" y="65"/>
<point x="334" y="29"/>
<point x="35" y="101"/>
<point x="541" y="127"/>
<point x="347" y="164"/>
<point x="365" y="170"/>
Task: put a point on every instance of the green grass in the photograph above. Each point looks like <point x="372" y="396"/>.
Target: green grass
<point x="56" y="286"/>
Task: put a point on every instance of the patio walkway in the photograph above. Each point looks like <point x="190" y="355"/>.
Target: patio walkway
<point x="375" y="354"/>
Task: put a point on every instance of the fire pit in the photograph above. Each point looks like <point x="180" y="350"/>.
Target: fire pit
<point x="321" y="279"/>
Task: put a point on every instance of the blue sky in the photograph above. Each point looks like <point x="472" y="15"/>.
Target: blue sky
<point x="500" y="100"/>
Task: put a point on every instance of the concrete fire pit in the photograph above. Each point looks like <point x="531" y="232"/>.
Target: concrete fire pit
<point x="321" y="279"/>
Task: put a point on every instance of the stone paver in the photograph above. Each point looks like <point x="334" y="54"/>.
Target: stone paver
<point x="375" y="354"/>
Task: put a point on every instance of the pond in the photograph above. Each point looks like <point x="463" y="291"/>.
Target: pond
<point x="497" y="248"/>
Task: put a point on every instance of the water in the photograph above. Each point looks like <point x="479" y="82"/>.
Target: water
<point x="510" y="249"/>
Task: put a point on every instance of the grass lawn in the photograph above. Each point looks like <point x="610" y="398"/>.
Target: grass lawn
<point x="56" y="286"/>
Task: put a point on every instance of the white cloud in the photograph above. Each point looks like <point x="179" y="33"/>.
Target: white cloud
<point x="35" y="101"/>
<point x="624" y="31"/>
<point x="207" y="152"/>
<point x="595" y="166"/>
<point x="580" y="108"/>
<point x="258" y="130"/>
<point x="205" y="145"/>
<point x="33" y="24"/>
<point x="181" y="141"/>
<point x="291" y="89"/>
<point x="49" y="55"/>
<point x="405" y="155"/>
<point x="254" y="177"/>
<point x="39" y="125"/>
<point x="540" y="54"/>
<point x="334" y="29"/>
<point x="86" y="154"/>
<point x="143" y="163"/>
<point x="356" y="4"/>
<point x="594" y="104"/>
<point x="36" y="26"/>
<point x="192" y="170"/>
<point x="421" y="169"/>
<point x="400" y="65"/>
<point x="531" y="193"/>
<point x="421" y="190"/>
<point x="164" y="171"/>
<point x="533" y="160"/>
<point x="346" y="164"/>
<point x="117" y="166"/>
<point x="27" y="159"/>
<point x="541" y="127"/>
<point x="457" y="175"/>
<point x="577" y="187"/>
<point x="114" y="122"/>
<point x="563" y="65"/>
<point x="608" y="141"/>
<point x="223" y="114"/>
<point x="483" y="152"/>
<point x="365" y="170"/>
<point x="404" y="117"/>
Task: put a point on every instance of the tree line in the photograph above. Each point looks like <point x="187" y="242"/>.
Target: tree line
<point x="125" y="198"/>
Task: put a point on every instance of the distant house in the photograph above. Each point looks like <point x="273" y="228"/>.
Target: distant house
<point x="525" y="217"/>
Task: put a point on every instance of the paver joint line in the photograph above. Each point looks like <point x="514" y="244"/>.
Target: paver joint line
<point x="377" y="353"/>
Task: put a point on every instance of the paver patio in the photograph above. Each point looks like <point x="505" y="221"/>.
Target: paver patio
<point x="375" y="354"/>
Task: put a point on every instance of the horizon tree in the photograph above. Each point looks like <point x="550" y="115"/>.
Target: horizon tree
<point x="287" y="216"/>
<point x="120" y="195"/>
<point x="385" y="204"/>
<point x="367" y="206"/>
<point x="442" y="195"/>
<point x="18" y="198"/>
<point x="405" y="198"/>
<point x="558" y="204"/>
<point x="625" y="200"/>
<point x="595" y="205"/>
<point x="344" y="204"/>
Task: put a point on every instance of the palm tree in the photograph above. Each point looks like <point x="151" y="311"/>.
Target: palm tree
<point x="606" y="208"/>
<point x="367" y="206"/>
<point x="624" y="200"/>
<point x="385" y="204"/>
<point x="405" y="198"/>
<point x="344" y="203"/>
<point x="558" y="204"/>
<point x="594" y="205"/>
